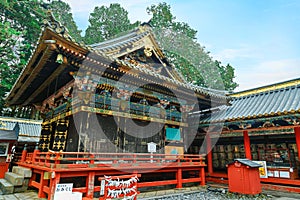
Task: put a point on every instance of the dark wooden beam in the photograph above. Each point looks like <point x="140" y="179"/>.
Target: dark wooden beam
<point x="46" y="82"/>
<point x="33" y="74"/>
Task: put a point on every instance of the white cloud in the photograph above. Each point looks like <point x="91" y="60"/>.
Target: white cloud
<point x="268" y="72"/>
<point x="244" y="51"/>
<point x="256" y="65"/>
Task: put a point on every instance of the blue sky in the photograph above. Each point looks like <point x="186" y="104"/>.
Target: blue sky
<point x="259" y="38"/>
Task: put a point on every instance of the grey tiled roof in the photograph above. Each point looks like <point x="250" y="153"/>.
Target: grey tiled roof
<point x="30" y="130"/>
<point x="136" y="35"/>
<point x="121" y="42"/>
<point x="264" y="104"/>
<point x="247" y="162"/>
<point x="8" y="135"/>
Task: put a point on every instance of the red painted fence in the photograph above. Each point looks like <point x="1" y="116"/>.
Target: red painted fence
<point x="50" y="168"/>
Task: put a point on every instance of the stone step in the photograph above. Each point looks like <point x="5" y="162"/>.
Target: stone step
<point x="14" y="179"/>
<point x="23" y="171"/>
<point x="9" y="197"/>
<point x="22" y="188"/>
<point x="6" y="187"/>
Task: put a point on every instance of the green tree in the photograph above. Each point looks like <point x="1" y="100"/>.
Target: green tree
<point x="161" y="15"/>
<point x="19" y="28"/>
<point x="106" y="22"/>
<point x="227" y="74"/>
<point x="180" y="46"/>
<point x="9" y="67"/>
<point x="62" y="13"/>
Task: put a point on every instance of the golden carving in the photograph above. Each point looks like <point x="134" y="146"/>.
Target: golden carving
<point x="148" y="52"/>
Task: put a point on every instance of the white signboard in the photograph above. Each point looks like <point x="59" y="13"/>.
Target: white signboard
<point x="284" y="174"/>
<point x="64" y="191"/>
<point x="64" y="188"/>
<point x="151" y="147"/>
<point x="263" y="172"/>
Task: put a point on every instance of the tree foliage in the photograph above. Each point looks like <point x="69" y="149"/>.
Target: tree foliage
<point x="227" y="74"/>
<point x="106" y="22"/>
<point x="179" y="43"/>
<point x="7" y="64"/>
<point x="20" y="27"/>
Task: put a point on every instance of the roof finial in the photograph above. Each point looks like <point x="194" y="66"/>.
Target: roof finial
<point x="52" y="23"/>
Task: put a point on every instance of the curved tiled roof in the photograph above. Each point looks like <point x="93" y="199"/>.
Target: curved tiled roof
<point x="268" y="103"/>
<point x="136" y="35"/>
<point x="121" y="42"/>
<point x="54" y="28"/>
<point x="30" y="130"/>
<point x="8" y="135"/>
<point x="128" y="39"/>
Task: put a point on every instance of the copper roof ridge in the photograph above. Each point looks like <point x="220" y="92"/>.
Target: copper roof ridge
<point x="267" y="88"/>
<point x="22" y="120"/>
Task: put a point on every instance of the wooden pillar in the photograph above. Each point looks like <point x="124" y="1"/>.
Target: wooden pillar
<point x="209" y="154"/>
<point x="35" y="152"/>
<point x="53" y="182"/>
<point x="24" y="153"/>
<point x="297" y="136"/>
<point x="32" y="179"/>
<point x="124" y="139"/>
<point x="202" y="174"/>
<point x="179" y="178"/>
<point x="43" y="182"/>
<point x="90" y="185"/>
<point x="247" y="145"/>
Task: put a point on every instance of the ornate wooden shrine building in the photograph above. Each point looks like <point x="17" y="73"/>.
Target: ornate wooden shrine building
<point x="128" y="77"/>
<point x="262" y="124"/>
<point x="103" y="104"/>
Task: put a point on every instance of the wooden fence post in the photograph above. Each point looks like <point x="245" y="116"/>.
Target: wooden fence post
<point x="24" y="153"/>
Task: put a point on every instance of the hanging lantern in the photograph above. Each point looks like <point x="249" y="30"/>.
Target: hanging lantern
<point x="59" y="58"/>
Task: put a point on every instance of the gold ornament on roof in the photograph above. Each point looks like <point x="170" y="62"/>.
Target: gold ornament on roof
<point x="148" y="51"/>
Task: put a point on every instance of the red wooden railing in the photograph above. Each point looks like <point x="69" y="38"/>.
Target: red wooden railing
<point x="76" y="159"/>
<point x="50" y="167"/>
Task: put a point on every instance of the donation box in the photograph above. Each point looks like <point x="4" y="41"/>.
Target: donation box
<point x="243" y="177"/>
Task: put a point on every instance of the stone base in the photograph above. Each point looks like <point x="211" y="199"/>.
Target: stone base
<point x="6" y="187"/>
<point x="22" y="188"/>
<point x="23" y="171"/>
<point x="14" y="179"/>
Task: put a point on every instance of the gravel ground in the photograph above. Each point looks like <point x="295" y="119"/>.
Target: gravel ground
<point x="209" y="196"/>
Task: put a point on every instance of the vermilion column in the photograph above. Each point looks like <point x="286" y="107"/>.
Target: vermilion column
<point x="247" y="145"/>
<point x="297" y="136"/>
<point x="179" y="178"/>
<point x="90" y="185"/>
<point x="209" y="154"/>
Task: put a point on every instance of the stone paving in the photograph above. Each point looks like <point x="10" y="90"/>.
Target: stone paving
<point x="30" y="195"/>
<point x="182" y="193"/>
